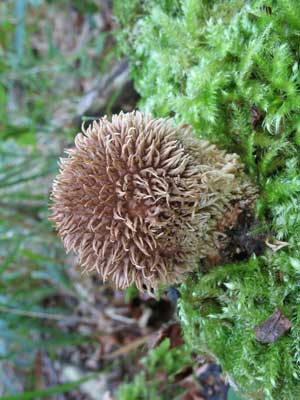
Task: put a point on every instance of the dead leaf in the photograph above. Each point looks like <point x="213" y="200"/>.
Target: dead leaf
<point x="277" y="245"/>
<point x="173" y="332"/>
<point x="272" y="328"/>
<point x="192" y="389"/>
<point x="184" y="373"/>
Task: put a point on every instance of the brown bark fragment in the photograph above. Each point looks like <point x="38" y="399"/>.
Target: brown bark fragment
<point x="272" y="328"/>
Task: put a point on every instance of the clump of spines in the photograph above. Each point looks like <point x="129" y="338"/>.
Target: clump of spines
<point x="139" y="200"/>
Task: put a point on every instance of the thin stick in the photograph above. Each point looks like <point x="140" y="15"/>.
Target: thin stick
<point x="128" y="348"/>
<point x="57" y="317"/>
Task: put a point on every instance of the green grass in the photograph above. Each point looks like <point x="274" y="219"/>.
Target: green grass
<point x="156" y="381"/>
<point x="41" y="71"/>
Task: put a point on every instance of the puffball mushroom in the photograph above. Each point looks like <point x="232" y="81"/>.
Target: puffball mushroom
<point x="140" y="200"/>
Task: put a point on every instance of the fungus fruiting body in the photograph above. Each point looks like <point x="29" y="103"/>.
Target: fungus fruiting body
<point x="140" y="200"/>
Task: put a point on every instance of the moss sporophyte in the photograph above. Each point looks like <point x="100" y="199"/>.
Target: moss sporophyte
<point x="141" y="201"/>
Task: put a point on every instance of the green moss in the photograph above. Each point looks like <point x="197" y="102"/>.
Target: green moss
<point x="156" y="381"/>
<point x="246" y="294"/>
<point x="230" y="69"/>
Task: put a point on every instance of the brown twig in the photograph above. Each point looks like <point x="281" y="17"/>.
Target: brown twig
<point x="56" y="317"/>
<point x="122" y="351"/>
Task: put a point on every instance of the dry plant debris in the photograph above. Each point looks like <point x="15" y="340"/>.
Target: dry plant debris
<point x="272" y="328"/>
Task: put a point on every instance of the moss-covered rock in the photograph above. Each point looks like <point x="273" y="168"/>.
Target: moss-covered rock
<point x="230" y="69"/>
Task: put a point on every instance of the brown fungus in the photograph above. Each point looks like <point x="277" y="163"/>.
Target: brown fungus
<point x="140" y="201"/>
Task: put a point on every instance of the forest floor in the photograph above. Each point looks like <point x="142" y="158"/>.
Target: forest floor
<point x="64" y="335"/>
